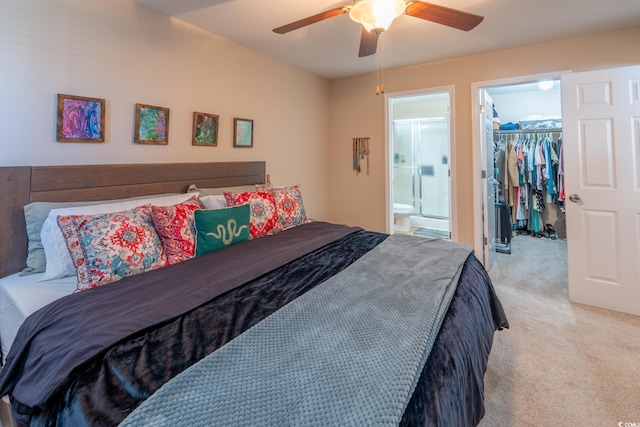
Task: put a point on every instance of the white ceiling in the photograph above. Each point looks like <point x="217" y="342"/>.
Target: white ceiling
<point x="330" y="48"/>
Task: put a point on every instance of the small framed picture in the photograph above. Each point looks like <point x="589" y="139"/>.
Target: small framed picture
<point x="205" y="129"/>
<point x="152" y="125"/>
<point x="242" y="132"/>
<point x="80" y="119"/>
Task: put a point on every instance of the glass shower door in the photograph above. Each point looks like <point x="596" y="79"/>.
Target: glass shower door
<point x="434" y="168"/>
<point x="404" y="188"/>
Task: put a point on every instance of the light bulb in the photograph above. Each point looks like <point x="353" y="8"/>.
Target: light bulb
<point x="377" y="14"/>
<point x="545" y="84"/>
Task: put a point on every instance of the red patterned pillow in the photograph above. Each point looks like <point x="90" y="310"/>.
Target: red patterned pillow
<point x="176" y="227"/>
<point x="291" y="211"/>
<point x="264" y="216"/>
<point x="108" y="247"/>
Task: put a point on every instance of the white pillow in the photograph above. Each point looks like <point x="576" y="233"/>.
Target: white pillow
<point x="59" y="263"/>
<point x="214" y="202"/>
<point x="215" y="191"/>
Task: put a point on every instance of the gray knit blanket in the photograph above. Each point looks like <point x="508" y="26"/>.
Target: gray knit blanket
<point x="348" y="352"/>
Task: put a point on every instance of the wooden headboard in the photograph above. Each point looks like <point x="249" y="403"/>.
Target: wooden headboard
<point x="25" y="184"/>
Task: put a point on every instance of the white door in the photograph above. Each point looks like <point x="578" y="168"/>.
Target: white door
<point x="601" y="126"/>
<point x="488" y="178"/>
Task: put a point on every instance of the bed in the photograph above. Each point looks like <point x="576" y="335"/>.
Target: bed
<point x="226" y="299"/>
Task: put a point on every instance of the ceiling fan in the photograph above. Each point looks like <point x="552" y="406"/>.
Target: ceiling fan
<point x="377" y="15"/>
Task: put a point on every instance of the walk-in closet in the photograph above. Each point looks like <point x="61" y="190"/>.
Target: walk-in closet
<point x="528" y="161"/>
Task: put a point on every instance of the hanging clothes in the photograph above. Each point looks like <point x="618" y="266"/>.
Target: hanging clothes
<point x="500" y="162"/>
<point x="512" y="171"/>
<point x="560" y="171"/>
<point x="530" y="169"/>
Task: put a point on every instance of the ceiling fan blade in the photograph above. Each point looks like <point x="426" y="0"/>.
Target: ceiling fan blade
<point x="368" y="43"/>
<point x="444" y="15"/>
<point x="311" y="20"/>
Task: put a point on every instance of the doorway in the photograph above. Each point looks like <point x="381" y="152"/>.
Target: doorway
<point x="419" y="138"/>
<point x="524" y="111"/>
<point x="600" y="160"/>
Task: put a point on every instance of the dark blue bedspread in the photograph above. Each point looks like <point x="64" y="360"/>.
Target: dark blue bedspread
<point x="105" y="388"/>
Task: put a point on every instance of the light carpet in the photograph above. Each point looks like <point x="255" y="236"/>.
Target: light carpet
<point x="560" y="363"/>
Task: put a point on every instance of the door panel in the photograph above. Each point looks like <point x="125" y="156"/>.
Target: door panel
<point x="597" y="153"/>
<point x="601" y="230"/>
<point x="601" y="115"/>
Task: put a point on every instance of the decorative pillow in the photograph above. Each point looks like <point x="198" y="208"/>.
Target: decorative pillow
<point x="213" y="202"/>
<point x="176" y="228"/>
<point x="59" y="263"/>
<point x="218" y="228"/>
<point x="108" y="247"/>
<point x="291" y="211"/>
<point x="264" y="216"/>
<point x="35" y="214"/>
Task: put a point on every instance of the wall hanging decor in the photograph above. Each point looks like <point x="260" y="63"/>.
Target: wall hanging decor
<point x="80" y="119"/>
<point x="360" y="152"/>
<point x="242" y="132"/>
<point x="152" y="125"/>
<point x="205" y="129"/>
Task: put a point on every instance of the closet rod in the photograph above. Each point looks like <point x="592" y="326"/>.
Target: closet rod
<point x="519" y="131"/>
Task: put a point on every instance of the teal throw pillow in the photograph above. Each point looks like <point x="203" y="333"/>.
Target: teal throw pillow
<point x="219" y="228"/>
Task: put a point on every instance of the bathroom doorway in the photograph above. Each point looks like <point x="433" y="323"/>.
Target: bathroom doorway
<point x="419" y="139"/>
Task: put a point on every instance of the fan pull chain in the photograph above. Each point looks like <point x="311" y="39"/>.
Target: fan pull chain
<point x="378" y="74"/>
<point x="380" y="67"/>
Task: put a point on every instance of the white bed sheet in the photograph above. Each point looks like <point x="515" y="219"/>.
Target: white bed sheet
<point x="21" y="296"/>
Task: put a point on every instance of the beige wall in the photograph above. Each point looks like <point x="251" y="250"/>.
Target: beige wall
<point x="129" y="54"/>
<point x="357" y="111"/>
<point x="304" y="124"/>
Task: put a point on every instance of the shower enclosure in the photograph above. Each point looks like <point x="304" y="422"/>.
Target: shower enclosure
<point x="421" y="169"/>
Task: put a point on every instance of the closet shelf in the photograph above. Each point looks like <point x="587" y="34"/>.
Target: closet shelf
<point x="521" y="131"/>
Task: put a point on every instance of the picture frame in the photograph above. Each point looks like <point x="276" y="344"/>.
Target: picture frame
<point x="205" y="129"/>
<point x="242" y="132"/>
<point x="151" y="125"/>
<point x="80" y="119"/>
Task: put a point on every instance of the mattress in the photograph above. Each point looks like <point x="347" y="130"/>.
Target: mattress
<point x="22" y="295"/>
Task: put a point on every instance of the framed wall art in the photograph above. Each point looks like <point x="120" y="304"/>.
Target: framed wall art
<point x="80" y="119"/>
<point x="242" y="132"/>
<point x="152" y="125"/>
<point x="205" y="129"/>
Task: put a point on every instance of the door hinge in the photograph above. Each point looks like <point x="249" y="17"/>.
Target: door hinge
<point x="449" y="172"/>
<point x="483" y="174"/>
<point x="481" y="109"/>
<point x="484" y="240"/>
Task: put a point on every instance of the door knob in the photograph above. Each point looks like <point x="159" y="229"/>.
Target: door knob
<point x="574" y="198"/>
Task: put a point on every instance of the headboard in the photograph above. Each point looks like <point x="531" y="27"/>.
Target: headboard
<point x="25" y="184"/>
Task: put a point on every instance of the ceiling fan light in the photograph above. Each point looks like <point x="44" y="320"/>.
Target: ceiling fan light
<point x="377" y="14"/>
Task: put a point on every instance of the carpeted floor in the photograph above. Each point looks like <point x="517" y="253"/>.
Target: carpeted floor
<point x="559" y="363"/>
